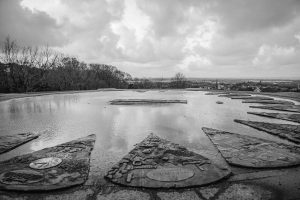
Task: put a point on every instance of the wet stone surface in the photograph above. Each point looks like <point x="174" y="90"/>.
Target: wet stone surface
<point x="247" y="151"/>
<point x="285" y="131"/>
<point x="288" y="108"/>
<point x="235" y="95"/>
<point x="284" y="116"/>
<point x="57" y="167"/>
<point x="268" y="102"/>
<point x="124" y="195"/>
<point x="10" y="142"/>
<point x="246" y="192"/>
<point x="191" y="195"/>
<point x="144" y="101"/>
<point x="164" y="165"/>
<point x="252" y="97"/>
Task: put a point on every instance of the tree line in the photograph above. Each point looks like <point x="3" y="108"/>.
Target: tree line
<point x="31" y="69"/>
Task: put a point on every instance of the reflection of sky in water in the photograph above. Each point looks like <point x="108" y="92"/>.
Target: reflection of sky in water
<point x="62" y="118"/>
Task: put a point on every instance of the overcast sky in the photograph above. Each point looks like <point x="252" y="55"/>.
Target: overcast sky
<point x="154" y="38"/>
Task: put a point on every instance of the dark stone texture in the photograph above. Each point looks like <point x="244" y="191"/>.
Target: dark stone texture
<point x="289" y="108"/>
<point x="284" y="116"/>
<point x="168" y="165"/>
<point x="268" y="102"/>
<point x="247" y="151"/>
<point x="10" y="142"/>
<point x="18" y="174"/>
<point x="144" y="101"/>
<point x="286" y="131"/>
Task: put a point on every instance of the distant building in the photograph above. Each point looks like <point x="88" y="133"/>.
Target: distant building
<point x="257" y="89"/>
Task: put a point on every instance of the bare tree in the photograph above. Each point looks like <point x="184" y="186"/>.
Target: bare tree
<point x="178" y="81"/>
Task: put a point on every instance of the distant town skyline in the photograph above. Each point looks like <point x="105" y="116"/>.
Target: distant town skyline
<point x="154" y="38"/>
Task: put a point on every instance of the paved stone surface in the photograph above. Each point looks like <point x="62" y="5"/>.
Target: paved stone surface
<point x="209" y="192"/>
<point x="144" y="101"/>
<point x="187" y="195"/>
<point x="10" y="142"/>
<point x="77" y="195"/>
<point x="286" y="131"/>
<point x="16" y="174"/>
<point x="268" y="102"/>
<point x="247" y="151"/>
<point x="158" y="163"/>
<point x="252" y="97"/>
<point x="246" y="192"/>
<point x="284" y="116"/>
<point x="288" y="108"/>
<point x="124" y="195"/>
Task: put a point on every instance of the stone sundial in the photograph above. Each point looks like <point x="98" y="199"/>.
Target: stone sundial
<point x="52" y="168"/>
<point x="158" y="163"/>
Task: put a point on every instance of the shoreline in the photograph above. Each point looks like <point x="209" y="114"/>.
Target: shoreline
<point x="295" y="96"/>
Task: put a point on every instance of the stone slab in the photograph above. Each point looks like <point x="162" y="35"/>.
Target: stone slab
<point x="124" y="195"/>
<point x="288" y="108"/>
<point x="284" y="116"/>
<point x="247" y="151"/>
<point x="10" y="142"/>
<point x="268" y="102"/>
<point x="286" y="131"/>
<point x="145" y="101"/>
<point x="18" y="174"/>
<point x="158" y="163"/>
<point x="235" y="95"/>
<point x="252" y="98"/>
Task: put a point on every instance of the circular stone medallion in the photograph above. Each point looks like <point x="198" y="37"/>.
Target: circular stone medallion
<point x="170" y="174"/>
<point x="22" y="176"/>
<point x="45" y="163"/>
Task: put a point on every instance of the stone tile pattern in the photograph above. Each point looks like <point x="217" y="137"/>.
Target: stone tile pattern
<point x="288" y="108"/>
<point x="172" y="164"/>
<point x="124" y="195"/>
<point x="246" y="192"/>
<point x="144" y="101"/>
<point x="247" y="151"/>
<point x="178" y="196"/>
<point x="10" y="142"/>
<point x="285" y="131"/>
<point x="16" y="174"/>
<point x="268" y="102"/>
<point x="293" y="117"/>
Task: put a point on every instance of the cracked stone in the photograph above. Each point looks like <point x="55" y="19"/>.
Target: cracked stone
<point x="247" y="151"/>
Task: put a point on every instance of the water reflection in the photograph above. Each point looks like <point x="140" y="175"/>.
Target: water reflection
<point x="61" y="118"/>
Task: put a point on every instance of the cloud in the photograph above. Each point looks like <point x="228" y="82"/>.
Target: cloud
<point x="214" y="38"/>
<point x="29" y="28"/>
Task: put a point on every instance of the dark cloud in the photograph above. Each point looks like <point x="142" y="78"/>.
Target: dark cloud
<point x="27" y="27"/>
